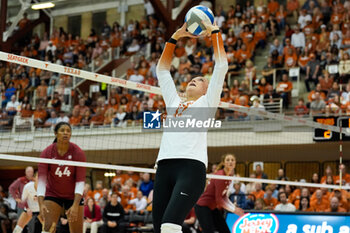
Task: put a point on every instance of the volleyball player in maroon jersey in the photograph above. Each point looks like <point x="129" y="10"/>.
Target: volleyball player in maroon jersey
<point x="61" y="186"/>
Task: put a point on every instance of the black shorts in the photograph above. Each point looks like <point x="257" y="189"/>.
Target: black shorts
<point x="66" y="204"/>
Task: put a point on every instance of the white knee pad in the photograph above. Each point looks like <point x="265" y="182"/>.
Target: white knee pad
<point x="18" y="229"/>
<point x="170" y="228"/>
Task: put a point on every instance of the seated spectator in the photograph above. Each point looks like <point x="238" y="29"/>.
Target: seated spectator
<point x="319" y="203"/>
<point x="305" y="205"/>
<point x="10" y="91"/>
<point x="27" y="111"/>
<point x="334" y="206"/>
<point x="146" y="185"/>
<point x="136" y="77"/>
<point x="259" y="192"/>
<point x="301" y="109"/>
<point x="104" y="199"/>
<point x="311" y="97"/>
<point x="7" y="223"/>
<point x="40" y="115"/>
<point x="109" y="116"/>
<point x="98" y="118"/>
<point x="270" y="201"/>
<point x="12" y="106"/>
<point x="334" y="91"/>
<point x="238" y="197"/>
<point x="52" y="120"/>
<point x="125" y="196"/>
<point x="92" y="216"/>
<point x="259" y="204"/>
<point x="284" y="206"/>
<point x="140" y="203"/>
<point x="318" y="105"/>
<point x="96" y="194"/>
<point x="62" y="117"/>
<point x="328" y="172"/>
<point x="342" y="196"/>
<point x="134" y="46"/>
<point x="120" y="119"/>
<point x="81" y="107"/>
<point x="326" y="82"/>
<point x="290" y="59"/>
<point x="276" y="45"/>
<point x="113" y="216"/>
<point x="75" y="119"/>
<point x="41" y="90"/>
<point x="345" y="175"/>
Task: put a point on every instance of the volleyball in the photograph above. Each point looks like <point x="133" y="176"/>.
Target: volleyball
<point x="194" y="18"/>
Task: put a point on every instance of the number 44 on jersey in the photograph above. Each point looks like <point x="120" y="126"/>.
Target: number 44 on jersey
<point x="65" y="172"/>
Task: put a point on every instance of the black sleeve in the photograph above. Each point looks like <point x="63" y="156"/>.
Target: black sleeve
<point x="104" y="216"/>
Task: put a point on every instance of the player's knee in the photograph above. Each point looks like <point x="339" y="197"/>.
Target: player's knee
<point x="170" y="228"/>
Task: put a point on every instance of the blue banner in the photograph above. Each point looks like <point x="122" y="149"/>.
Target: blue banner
<point x="288" y="223"/>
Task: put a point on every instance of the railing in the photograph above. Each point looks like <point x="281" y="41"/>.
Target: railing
<point x="273" y="105"/>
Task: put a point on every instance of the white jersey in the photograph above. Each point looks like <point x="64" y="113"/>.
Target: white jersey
<point x="30" y="196"/>
<point x="189" y="145"/>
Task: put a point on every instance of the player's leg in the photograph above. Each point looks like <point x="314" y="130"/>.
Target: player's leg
<point x="77" y="226"/>
<point x="52" y="216"/>
<point x="163" y="187"/>
<point x="220" y="223"/>
<point x="205" y="218"/>
<point x="22" y="222"/>
<point x="190" y="178"/>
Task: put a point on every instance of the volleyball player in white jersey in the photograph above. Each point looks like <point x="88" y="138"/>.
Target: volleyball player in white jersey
<point x="29" y="195"/>
<point x="182" y="158"/>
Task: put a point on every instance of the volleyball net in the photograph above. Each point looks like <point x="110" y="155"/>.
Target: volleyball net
<point x="259" y="137"/>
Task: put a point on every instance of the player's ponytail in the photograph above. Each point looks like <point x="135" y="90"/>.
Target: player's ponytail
<point x="58" y="126"/>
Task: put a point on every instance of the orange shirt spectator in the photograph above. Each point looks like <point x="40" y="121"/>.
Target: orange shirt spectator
<point x="336" y="18"/>
<point x="40" y="113"/>
<point x="290" y="59"/>
<point x="41" y="91"/>
<point x="23" y="22"/>
<point x="281" y="15"/>
<point x="303" y="60"/>
<point x="292" y="5"/>
<point x="335" y="207"/>
<point x="258" y="193"/>
<point x="273" y="7"/>
<point x="260" y="35"/>
<point x="243" y="54"/>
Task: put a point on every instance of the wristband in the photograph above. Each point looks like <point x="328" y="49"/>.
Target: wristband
<point x="215" y="31"/>
<point x="173" y="41"/>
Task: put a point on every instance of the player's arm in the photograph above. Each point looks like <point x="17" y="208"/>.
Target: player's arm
<point x="220" y="68"/>
<point x="42" y="180"/>
<point x="165" y="80"/>
<point x="72" y="213"/>
<point x="13" y="189"/>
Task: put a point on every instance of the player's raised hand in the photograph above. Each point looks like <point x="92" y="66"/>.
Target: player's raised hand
<point x="210" y="27"/>
<point x="181" y="32"/>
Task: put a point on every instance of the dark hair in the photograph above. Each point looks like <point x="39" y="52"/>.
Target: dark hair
<point x="279" y="196"/>
<point x="93" y="207"/>
<point x="308" y="202"/>
<point x="58" y="126"/>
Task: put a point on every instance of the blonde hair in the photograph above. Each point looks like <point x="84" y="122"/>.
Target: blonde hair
<point x="221" y="165"/>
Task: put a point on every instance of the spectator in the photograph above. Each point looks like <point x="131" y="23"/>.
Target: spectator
<point x="301" y="109"/>
<point x="62" y="117"/>
<point x="328" y="172"/>
<point x="136" y="77"/>
<point x="97" y="193"/>
<point x="104" y="198"/>
<point x="303" y="18"/>
<point x="319" y="204"/>
<point x="81" y="107"/>
<point x="134" y="47"/>
<point x="238" y="197"/>
<point x="98" y="117"/>
<point x="92" y="216"/>
<point x="270" y="201"/>
<point x="259" y="192"/>
<point x="305" y="205"/>
<point x="113" y="216"/>
<point x="146" y="185"/>
<point x="75" y="119"/>
<point x="259" y="173"/>
<point x="334" y="206"/>
<point x="140" y="202"/>
<point x="23" y="22"/>
<point x="284" y="206"/>
<point x="12" y="106"/>
<point x="52" y="121"/>
<point x="6" y="222"/>
<point x="259" y="204"/>
<point x="276" y="46"/>
<point x="318" y="105"/>
<point x="16" y="188"/>
<point x="298" y="39"/>
<point x="10" y="91"/>
<point x="120" y="119"/>
<point x="345" y="175"/>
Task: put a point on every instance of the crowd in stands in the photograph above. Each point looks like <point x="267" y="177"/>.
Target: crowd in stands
<point x="127" y="199"/>
<point x="318" y="37"/>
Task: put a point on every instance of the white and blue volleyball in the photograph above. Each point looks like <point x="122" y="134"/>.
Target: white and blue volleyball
<point x="194" y="18"/>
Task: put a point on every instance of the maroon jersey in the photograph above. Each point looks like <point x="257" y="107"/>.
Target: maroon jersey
<point x="60" y="179"/>
<point x="215" y="195"/>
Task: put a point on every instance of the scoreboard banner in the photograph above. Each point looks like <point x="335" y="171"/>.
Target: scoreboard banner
<point x="328" y="135"/>
<point x="288" y="223"/>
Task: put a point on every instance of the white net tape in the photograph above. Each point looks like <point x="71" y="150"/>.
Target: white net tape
<point x="148" y="170"/>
